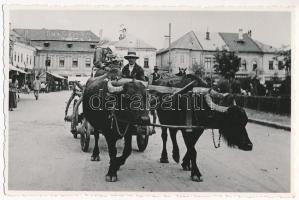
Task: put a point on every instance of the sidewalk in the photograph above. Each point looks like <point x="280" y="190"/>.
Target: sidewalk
<point x="269" y="119"/>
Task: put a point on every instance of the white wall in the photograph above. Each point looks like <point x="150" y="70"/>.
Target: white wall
<point x="270" y="73"/>
<point x="23" y="55"/>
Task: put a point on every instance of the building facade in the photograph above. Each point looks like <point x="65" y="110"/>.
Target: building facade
<point x="197" y="48"/>
<point x="63" y="52"/>
<point x="146" y="52"/>
<point x="22" y="54"/>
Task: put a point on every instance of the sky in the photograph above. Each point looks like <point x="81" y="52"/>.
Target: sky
<point x="273" y="28"/>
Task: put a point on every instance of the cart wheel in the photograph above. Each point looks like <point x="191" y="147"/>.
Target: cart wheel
<point x="142" y="140"/>
<point x="74" y="121"/>
<point x="85" y="136"/>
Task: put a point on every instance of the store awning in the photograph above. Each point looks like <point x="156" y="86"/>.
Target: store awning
<point x="56" y="75"/>
<point x="16" y="69"/>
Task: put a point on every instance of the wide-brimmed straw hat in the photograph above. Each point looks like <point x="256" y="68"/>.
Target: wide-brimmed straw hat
<point x="131" y="54"/>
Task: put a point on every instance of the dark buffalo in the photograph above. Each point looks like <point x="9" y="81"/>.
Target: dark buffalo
<point x="230" y="121"/>
<point x="113" y="110"/>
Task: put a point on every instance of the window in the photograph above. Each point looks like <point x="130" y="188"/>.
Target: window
<point x="145" y="63"/>
<point x="271" y="65"/>
<point x="30" y="61"/>
<point x="27" y="59"/>
<point x="254" y="65"/>
<point x="92" y="46"/>
<point x="182" y="59"/>
<point x="18" y="57"/>
<point x="243" y="65"/>
<point x="87" y="62"/>
<point x="48" y="61"/>
<point x="75" y="62"/>
<point x="46" y="44"/>
<point x="61" y="62"/>
<point x="21" y="57"/>
<point x="193" y="61"/>
<point x="208" y="63"/>
<point x="280" y="65"/>
<point x="69" y="45"/>
<point x="15" y="57"/>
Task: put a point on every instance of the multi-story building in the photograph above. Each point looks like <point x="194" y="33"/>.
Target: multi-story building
<point x="200" y="48"/>
<point x="21" y="52"/>
<point x="63" y="52"/>
<point x="146" y="52"/>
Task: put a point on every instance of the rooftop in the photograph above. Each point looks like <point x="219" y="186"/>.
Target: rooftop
<point x="58" y="35"/>
<point x="234" y="44"/>
<point x="266" y="48"/>
<point x="65" y="46"/>
<point x="131" y="41"/>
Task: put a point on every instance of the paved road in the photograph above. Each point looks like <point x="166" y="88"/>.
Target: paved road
<point x="43" y="155"/>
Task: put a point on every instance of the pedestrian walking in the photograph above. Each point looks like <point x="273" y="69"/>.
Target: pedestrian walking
<point x="36" y="87"/>
<point x="132" y="70"/>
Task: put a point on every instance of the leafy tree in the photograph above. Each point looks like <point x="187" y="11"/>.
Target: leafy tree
<point x="227" y="63"/>
<point x="285" y="55"/>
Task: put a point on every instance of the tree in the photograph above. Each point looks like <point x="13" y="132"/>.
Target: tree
<point x="287" y="60"/>
<point x="227" y="63"/>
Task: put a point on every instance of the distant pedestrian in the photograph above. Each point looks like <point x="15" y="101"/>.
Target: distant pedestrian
<point x="12" y="94"/>
<point x="36" y="87"/>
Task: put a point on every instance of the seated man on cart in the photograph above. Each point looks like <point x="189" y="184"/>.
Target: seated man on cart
<point x="132" y="69"/>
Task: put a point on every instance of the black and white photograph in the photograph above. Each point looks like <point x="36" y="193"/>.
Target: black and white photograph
<point x="148" y="100"/>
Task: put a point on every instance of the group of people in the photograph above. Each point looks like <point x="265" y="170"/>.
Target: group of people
<point x="13" y="91"/>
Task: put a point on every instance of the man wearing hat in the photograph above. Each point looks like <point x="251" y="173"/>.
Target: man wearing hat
<point x="132" y="70"/>
<point x="156" y="76"/>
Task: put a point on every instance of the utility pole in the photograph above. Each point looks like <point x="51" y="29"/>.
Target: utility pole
<point x="169" y="47"/>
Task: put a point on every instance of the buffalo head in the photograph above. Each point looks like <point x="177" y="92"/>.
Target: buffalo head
<point x="132" y="105"/>
<point x="233" y="128"/>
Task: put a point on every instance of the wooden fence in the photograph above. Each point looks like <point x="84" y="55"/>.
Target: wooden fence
<point x="277" y="105"/>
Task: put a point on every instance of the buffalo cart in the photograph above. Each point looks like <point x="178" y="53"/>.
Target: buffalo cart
<point x="79" y="125"/>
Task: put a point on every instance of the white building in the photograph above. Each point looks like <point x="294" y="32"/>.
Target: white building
<point x="22" y="54"/>
<point x="69" y="52"/>
<point x="200" y="48"/>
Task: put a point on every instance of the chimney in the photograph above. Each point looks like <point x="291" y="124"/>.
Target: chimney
<point x="100" y="33"/>
<point x="166" y="43"/>
<point x="249" y="33"/>
<point x="207" y="35"/>
<point x="240" y="34"/>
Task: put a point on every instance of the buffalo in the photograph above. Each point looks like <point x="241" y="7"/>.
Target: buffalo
<point x="114" y="108"/>
<point x="200" y="110"/>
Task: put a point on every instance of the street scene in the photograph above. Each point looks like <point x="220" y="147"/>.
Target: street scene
<point x="49" y="158"/>
<point x="97" y="103"/>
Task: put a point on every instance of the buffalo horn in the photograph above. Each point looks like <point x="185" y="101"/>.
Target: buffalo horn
<point x="113" y="89"/>
<point x="127" y="80"/>
<point x="214" y="106"/>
